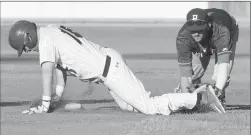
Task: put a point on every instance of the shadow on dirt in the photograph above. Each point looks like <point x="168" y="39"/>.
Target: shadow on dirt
<point x="23" y="103"/>
<point x="63" y="102"/>
<point x="207" y="110"/>
<point x="238" y="107"/>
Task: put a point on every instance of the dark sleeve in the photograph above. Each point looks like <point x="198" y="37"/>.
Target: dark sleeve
<point x="221" y="40"/>
<point x="184" y="53"/>
<point x="214" y="10"/>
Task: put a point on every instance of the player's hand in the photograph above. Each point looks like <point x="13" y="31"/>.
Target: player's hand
<point x="37" y="109"/>
<point x="218" y="92"/>
<point x="192" y="87"/>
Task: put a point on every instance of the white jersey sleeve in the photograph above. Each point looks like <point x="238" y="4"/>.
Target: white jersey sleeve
<point x="47" y="51"/>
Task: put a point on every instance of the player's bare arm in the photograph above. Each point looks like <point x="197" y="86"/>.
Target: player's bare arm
<point x="61" y="79"/>
<point x="223" y="54"/>
<point x="47" y="77"/>
<point x="47" y="74"/>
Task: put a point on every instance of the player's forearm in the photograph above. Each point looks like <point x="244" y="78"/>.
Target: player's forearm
<point x="61" y="81"/>
<point x="47" y="83"/>
<point x="47" y="88"/>
<point x="184" y="83"/>
<point x="47" y="71"/>
<point x="222" y="75"/>
<point x="186" y="76"/>
<point x="61" y="76"/>
<point x="222" y="69"/>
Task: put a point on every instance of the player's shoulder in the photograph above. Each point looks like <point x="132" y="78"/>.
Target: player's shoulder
<point x="49" y="30"/>
<point x="220" y="29"/>
<point x="184" y="40"/>
<point x="50" y="27"/>
<point x="183" y="30"/>
<point x="183" y="33"/>
<point x="220" y="16"/>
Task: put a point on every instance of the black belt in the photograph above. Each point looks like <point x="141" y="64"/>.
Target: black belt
<point x="107" y="65"/>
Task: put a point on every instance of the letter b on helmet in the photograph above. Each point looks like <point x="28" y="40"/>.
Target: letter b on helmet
<point x="23" y="34"/>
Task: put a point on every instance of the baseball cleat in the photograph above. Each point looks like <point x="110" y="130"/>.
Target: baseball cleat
<point x="211" y="100"/>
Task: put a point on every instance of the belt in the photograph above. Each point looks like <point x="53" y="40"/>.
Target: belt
<point x="107" y="66"/>
<point x="105" y="72"/>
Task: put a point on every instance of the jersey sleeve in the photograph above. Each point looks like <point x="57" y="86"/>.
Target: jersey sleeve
<point x="184" y="53"/>
<point x="221" y="40"/>
<point x="47" y="51"/>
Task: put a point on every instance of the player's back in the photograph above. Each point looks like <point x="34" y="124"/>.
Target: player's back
<point x="74" y="52"/>
<point x="220" y="17"/>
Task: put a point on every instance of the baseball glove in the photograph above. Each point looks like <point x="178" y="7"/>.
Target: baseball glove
<point x="194" y="88"/>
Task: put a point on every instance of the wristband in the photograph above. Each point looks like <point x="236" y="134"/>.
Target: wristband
<point x="46" y="101"/>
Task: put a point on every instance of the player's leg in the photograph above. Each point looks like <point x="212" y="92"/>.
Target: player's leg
<point x="125" y="86"/>
<point x="121" y="103"/>
<point x="187" y="101"/>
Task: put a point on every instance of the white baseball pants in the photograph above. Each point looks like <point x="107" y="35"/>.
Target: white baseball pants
<point x="130" y="94"/>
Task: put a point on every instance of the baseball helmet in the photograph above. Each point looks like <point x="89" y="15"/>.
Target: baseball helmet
<point x="197" y="19"/>
<point x="23" y="34"/>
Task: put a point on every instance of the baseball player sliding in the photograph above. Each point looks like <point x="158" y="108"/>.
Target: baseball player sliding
<point x="67" y="53"/>
<point x="207" y="31"/>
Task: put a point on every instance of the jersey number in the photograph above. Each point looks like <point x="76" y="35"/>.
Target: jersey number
<point x="71" y="33"/>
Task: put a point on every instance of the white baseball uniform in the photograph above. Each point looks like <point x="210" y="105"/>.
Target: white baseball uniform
<point x="85" y="59"/>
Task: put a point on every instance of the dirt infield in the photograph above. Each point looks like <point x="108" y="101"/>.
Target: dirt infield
<point x="100" y="115"/>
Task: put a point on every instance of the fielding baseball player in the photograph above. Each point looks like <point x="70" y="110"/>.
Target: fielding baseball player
<point x="69" y="54"/>
<point x="206" y="32"/>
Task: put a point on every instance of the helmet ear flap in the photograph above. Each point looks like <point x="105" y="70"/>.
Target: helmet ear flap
<point x="31" y="34"/>
<point x="20" y="50"/>
<point x="34" y="40"/>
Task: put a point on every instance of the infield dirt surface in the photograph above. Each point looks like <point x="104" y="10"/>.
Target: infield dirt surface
<point x="151" y="55"/>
